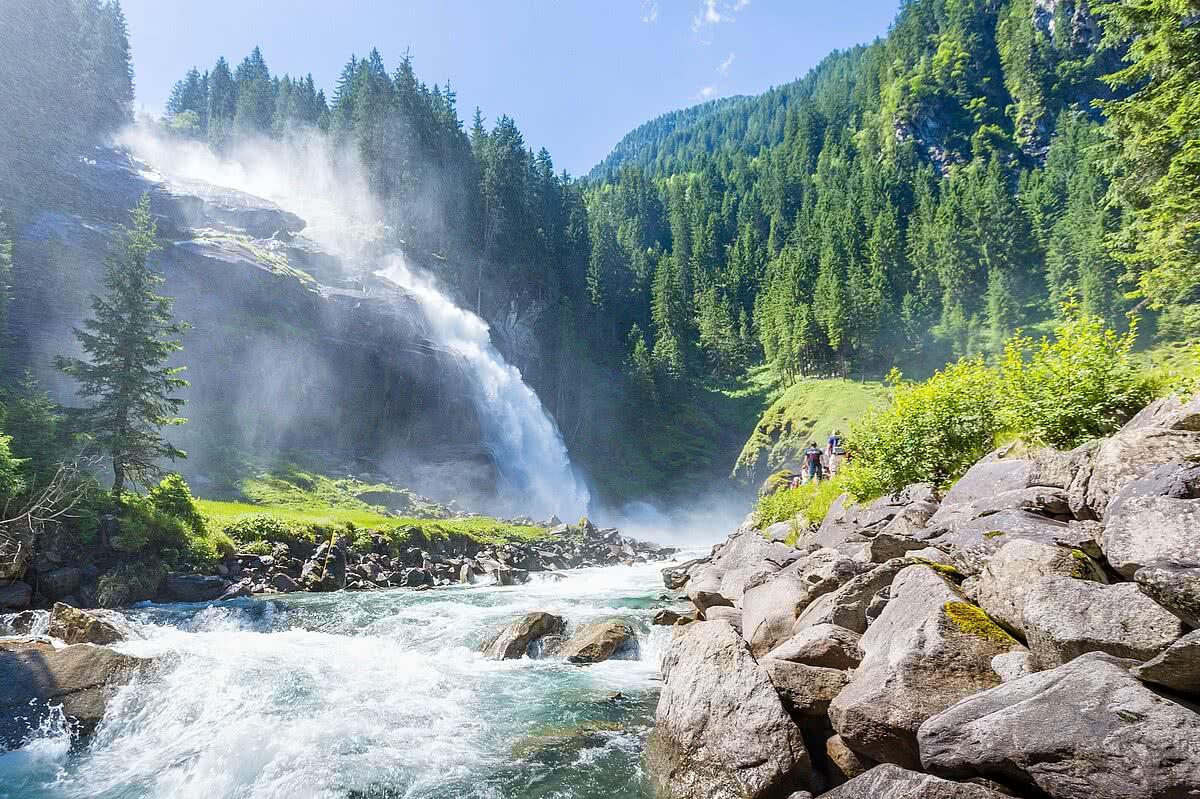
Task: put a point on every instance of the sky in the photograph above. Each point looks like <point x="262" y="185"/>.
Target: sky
<point x="576" y="75"/>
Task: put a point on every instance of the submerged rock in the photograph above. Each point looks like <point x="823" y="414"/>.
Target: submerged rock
<point x="194" y="587"/>
<point x="514" y="641"/>
<point x="721" y="729"/>
<point x="593" y="643"/>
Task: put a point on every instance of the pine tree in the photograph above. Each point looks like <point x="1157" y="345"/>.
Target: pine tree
<point x="6" y="272"/>
<point x="255" y="103"/>
<point x="222" y="103"/>
<point x="128" y="342"/>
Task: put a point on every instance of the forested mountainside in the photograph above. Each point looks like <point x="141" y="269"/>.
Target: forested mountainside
<point x="908" y="201"/>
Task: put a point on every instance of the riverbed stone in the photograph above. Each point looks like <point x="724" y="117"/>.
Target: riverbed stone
<point x="672" y="618"/>
<point x="847" y="606"/>
<point x="731" y="616"/>
<point x="1175" y="586"/>
<point x="75" y="626"/>
<point x="805" y="690"/>
<point x="1085" y="730"/>
<point x="888" y="781"/>
<point x="746" y="555"/>
<point x="597" y="642"/>
<point x="927" y="650"/>
<point x="15" y="595"/>
<point x="515" y="639"/>
<point x="1064" y="618"/>
<point x="1176" y="668"/>
<point x="58" y="583"/>
<point x="721" y="730"/>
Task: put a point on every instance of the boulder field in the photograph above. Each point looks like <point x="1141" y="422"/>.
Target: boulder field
<point x="1031" y="632"/>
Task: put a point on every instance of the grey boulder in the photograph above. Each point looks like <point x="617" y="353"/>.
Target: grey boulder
<point x="824" y="645"/>
<point x="892" y="782"/>
<point x="1141" y="531"/>
<point x="1064" y="618"/>
<point x="1014" y="570"/>
<point x="15" y="595"/>
<point x="1176" y="668"/>
<point x="805" y="690"/>
<point x="721" y="730"/>
<point x="848" y="606"/>
<point x="1175" y="586"/>
<point x="515" y="640"/>
<point x="743" y="557"/>
<point x="927" y="650"/>
<point x="194" y="587"/>
<point x="1086" y="730"/>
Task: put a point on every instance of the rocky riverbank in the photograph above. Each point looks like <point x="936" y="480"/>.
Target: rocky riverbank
<point x="417" y="560"/>
<point x="1033" y="632"/>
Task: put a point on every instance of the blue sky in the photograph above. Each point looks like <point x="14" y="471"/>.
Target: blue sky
<point x="576" y="75"/>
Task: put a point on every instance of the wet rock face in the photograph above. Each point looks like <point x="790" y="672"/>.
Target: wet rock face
<point x="76" y="626"/>
<point x="35" y="675"/>
<point x="721" y="730"/>
<point x="595" y="643"/>
<point x="194" y="587"/>
<point x="515" y="640"/>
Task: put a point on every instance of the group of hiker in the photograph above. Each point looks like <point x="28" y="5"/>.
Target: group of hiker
<point x="822" y="464"/>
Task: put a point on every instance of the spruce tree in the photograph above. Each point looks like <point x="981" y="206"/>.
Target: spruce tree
<point x="6" y="269"/>
<point x="128" y="341"/>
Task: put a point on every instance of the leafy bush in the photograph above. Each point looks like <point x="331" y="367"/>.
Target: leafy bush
<point x="11" y="483"/>
<point x="1079" y="386"/>
<point x="810" y="502"/>
<point x="931" y="431"/>
<point x="257" y="548"/>
<point x="167" y="525"/>
<point x="1061" y="392"/>
<point x="130" y="582"/>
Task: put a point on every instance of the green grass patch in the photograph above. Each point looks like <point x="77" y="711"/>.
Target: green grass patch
<point x="245" y="246"/>
<point x="809" y="503"/>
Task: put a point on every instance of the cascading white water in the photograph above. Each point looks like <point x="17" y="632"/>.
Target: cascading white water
<point x="364" y="695"/>
<point x="328" y="190"/>
<point x="526" y="441"/>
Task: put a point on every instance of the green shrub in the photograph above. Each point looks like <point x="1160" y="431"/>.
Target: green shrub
<point x="257" y="548"/>
<point x="930" y="432"/>
<point x="130" y="582"/>
<point x="810" y="502"/>
<point x="166" y="525"/>
<point x="11" y="483"/>
<point x="1081" y="385"/>
<point x="173" y="497"/>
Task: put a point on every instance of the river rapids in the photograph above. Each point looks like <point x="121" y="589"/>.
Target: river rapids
<point x="365" y="695"/>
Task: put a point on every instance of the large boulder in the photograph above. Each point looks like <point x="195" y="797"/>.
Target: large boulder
<point x="325" y="570"/>
<point x="1176" y="668"/>
<point x="927" y="650"/>
<point x="1141" y="531"/>
<point x="1086" y="730"/>
<point x="516" y="639"/>
<point x="1175" y="586"/>
<point x="888" y="781"/>
<point x="1166" y="431"/>
<point x="35" y="676"/>
<point x="848" y="605"/>
<point x="772" y="603"/>
<point x="75" y="626"/>
<point x="593" y="643"/>
<point x="1014" y="571"/>
<point x="986" y="486"/>
<point x="194" y="587"/>
<point x="1064" y="618"/>
<point x="824" y="645"/>
<point x="743" y="557"/>
<point x="721" y="729"/>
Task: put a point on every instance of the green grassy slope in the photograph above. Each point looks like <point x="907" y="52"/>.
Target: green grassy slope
<point x="809" y="410"/>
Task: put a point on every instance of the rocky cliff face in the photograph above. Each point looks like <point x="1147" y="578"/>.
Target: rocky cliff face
<point x="289" y="348"/>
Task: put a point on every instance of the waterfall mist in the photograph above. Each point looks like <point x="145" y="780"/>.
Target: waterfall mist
<point x="327" y="187"/>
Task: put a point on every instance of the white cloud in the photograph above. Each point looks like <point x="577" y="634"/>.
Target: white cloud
<point x="650" y="12"/>
<point x="713" y="12"/>
<point x="707" y="91"/>
<point x="726" y="64"/>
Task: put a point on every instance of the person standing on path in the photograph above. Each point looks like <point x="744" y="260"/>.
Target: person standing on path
<point x="812" y="462"/>
<point x="836" y="451"/>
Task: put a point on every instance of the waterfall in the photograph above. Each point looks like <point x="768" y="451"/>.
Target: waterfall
<point x="327" y="187"/>
<point x="523" y="438"/>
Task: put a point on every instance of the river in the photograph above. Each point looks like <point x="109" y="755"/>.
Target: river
<point x="366" y="695"/>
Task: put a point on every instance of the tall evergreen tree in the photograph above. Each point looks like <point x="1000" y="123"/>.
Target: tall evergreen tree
<point x="128" y="341"/>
